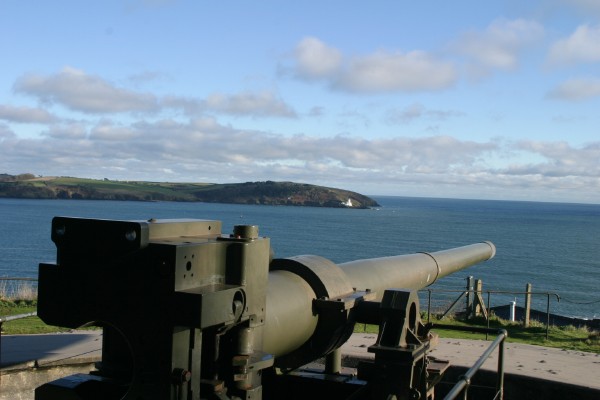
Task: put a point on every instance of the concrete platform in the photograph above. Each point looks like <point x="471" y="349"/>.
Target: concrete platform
<point x="33" y="351"/>
<point x="565" y="366"/>
<point x="22" y="354"/>
<point x="29" y="361"/>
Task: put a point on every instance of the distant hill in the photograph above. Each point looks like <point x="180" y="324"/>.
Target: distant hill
<point x="28" y="186"/>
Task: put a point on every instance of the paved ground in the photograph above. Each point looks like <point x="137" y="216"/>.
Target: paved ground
<point x="26" y="351"/>
<point x="579" y="368"/>
<point x="576" y="367"/>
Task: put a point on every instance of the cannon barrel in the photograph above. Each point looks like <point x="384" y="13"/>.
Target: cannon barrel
<point x="290" y="323"/>
<point x="188" y="312"/>
<point x="414" y="271"/>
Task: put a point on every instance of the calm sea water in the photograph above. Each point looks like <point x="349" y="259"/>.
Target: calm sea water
<point x="553" y="246"/>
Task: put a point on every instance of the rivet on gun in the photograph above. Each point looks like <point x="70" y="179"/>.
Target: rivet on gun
<point x="60" y="230"/>
<point x="180" y="375"/>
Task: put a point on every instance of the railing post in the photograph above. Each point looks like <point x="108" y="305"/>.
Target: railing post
<point x="489" y="312"/>
<point x="1" y="350"/>
<point x="469" y="308"/>
<point x="476" y="295"/>
<point x="527" y="305"/>
<point x="500" y="383"/>
<point x="462" y="386"/>
<point x="547" y="315"/>
<point x="477" y="300"/>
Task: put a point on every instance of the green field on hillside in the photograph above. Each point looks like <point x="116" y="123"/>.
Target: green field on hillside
<point x="28" y="186"/>
<point x="568" y="337"/>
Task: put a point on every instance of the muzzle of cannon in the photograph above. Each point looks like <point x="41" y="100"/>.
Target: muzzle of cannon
<point x="190" y="313"/>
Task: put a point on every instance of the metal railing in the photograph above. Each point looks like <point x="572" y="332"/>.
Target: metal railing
<point x="464" y="383"/>
<point x="488" y="307"/>
<point x="18" y="288"/>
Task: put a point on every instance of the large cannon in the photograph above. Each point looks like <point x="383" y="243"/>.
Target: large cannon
<point x="190" y="313"/>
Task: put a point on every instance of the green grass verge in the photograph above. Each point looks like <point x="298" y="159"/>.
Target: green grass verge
<point x="29" y="325"/>
<point x="567" y="337"/>
<point x="562" y="337"/>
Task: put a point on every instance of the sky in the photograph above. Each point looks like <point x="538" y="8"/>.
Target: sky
<point x="459" y="99"/>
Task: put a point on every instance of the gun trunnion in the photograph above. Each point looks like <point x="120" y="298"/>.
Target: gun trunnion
<point x="190" y="313"/>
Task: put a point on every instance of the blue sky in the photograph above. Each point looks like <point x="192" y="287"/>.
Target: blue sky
<point x="466" y="99"/>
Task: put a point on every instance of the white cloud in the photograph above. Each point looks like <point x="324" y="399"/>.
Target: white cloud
<point x="586" y="7"/>
<point x="199" y="141"/>
<point x="205" y="150"/>
<point x="6" y="133"/>
<point x="316" y="111"/>
<point x="418" y="111"/>
<point x="256" y="105"/>
<point x="90" y="94"/>
<point x="499" y="46"/>
<point x="315" y="60"/>
<point x="70" y="131"/>
<point x="391" y="72"/>
<point x="583" y="45"/>
<point x="576" y="89"/>
<point x="189" y="106"/>
<point x="562" y="160"/>
<point x="26" y="114"/>
<point x="406" y="115"/>
<point x="146" y="76"/>
<point x="79" y="91"/>
<point x="381" y="71"/>
<point x="196" y="142"/>
<point x="252" y="104"/>
<point x="108" y="131"/>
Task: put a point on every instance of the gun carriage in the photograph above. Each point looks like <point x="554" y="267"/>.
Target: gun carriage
<point x="190" y="313"/>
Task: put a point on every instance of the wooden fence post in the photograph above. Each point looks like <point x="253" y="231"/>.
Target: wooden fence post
<point x="527" y="304"/>
<point x="479" y="307"/>
<point x="470" y="295"/>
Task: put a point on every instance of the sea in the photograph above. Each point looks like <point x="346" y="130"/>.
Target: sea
<point x="553" y="246"/>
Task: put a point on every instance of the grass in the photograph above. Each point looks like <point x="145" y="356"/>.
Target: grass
<point x="21" y="298"/>
<point x="29" y="325"/>
<point x="17" y="289"/>
<point x="562" y="337"/>
<point x="567" y="337"/>
<point x="121" y="187"/>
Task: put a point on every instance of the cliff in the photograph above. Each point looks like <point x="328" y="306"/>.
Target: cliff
<point x="270" y="193"/>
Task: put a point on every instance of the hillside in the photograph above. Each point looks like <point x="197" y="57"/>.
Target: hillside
<point x="28" y="186"/>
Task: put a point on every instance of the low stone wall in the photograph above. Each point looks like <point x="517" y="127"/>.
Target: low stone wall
<point x="20" y="384"/>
